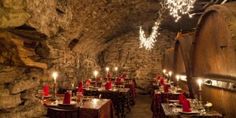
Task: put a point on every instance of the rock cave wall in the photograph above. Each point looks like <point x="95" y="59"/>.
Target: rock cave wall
<point x="73" y="38"/>
<point x="125" y="53"/>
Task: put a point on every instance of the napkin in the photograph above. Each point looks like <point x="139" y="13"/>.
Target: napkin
<point x="108" y="85"/>
<point x="123" y="76"/>
<point x="161" y="81"/>
<point x="186" y="106"/>
<point x="166" y="88"/>
<point x="158" y="77"/>
<point x="66" y="98"/>
<point x="98" y="79"/>
<point x="45" y="90"/>
<point x="80" y="87"/>
<point x="119" y="80"/>
<point x="181" y="98"/>
<point x="88" y="82"/>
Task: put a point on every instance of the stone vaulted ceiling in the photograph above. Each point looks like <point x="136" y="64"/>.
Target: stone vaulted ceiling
<point x="72" y="35"/>
<point x="92" y="23"/>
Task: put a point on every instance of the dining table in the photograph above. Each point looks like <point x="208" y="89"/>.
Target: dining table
<point x="127" y="83"/>
<point x="87" y="108"/>
<point x="120" y="98"/>
<point x="159" y="97"/>
<point x="171" y="111"/>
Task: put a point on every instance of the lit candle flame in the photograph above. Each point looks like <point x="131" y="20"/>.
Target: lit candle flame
<point x="177" y="77"/>
<point x="170" y="73"/>
<point x="107" y="69"/>
<point x="55" y="75"/>
<point x="116" y="68"/>
<point x="199" y="81"/>
<point x="95" y="73"/>
<point x="164" y="71"/>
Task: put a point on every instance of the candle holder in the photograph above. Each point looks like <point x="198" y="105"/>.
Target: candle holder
<point x="116" y="71"/>
<point x="199" y="81"/>
<point x="200" y="95"/>
<point x="54" y="75"/>
<point x="54" y="91"/>
<point x="107" y="70"/>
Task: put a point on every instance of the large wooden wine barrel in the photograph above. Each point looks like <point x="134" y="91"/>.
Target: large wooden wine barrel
<point x="168" y="59"/>
<point x="215" y="42"/>
<point x="214" y="54"/>
<point x="182" y="51"/>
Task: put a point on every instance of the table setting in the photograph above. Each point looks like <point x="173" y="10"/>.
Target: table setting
<point x="189" y="108"/>
<point x="82" y="106"/>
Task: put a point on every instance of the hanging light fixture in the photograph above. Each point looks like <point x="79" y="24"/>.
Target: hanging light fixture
<point x="148" y="42"/>
<point x="177" y="8"/>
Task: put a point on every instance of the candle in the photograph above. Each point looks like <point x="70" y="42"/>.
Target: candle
<point x="170" y="73"/>
<point x="55" y="75"/>
<point x="164" y="71"/>
<point x="177" y="77"/>
<point x="116" y="69"/>
<point x="95" y="73"/>
<point x="199" y="81"/>
<point x="107" y="69"/>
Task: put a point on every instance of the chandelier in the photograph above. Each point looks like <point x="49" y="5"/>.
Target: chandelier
<point x="176" y="8"/>
<point x="148" y="42"/>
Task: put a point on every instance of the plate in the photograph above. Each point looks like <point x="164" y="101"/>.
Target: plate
<point x="52" y="104"/>
<point x="40" y="96"/>
<point x="192" y="112"/>
<point x="72" y="103"/>
<point x="174" y="101"/>
<point x="47" y="96"/>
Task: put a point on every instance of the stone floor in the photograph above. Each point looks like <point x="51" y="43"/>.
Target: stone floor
<point x="142" y="107"/>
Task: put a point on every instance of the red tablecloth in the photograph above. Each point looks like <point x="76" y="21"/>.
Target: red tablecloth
<point x="158" y="98"/>
<point x="101" y="109"/>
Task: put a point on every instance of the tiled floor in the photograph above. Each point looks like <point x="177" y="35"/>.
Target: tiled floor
<point x="141" y="108"/>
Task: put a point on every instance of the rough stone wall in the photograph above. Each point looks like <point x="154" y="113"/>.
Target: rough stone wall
<point x="62" y="27"/>
<point x="92" y="23"/>
<point x="19" y="79"/>
<point x="50" y="17"/>
<point x="125" y="52"/>
<point x="18" y="87"/>
<point x="80" y="36"/>
<point x="12" y="13"/>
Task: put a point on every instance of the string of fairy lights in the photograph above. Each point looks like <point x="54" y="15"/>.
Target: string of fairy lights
<point x="177" y="8"/>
